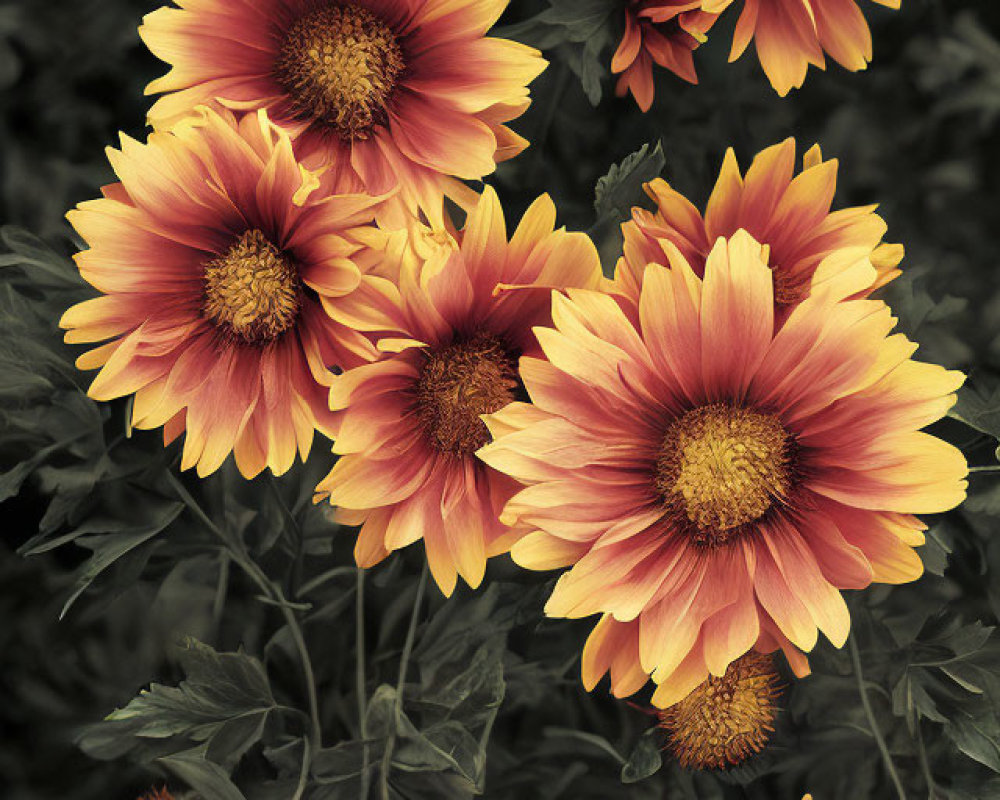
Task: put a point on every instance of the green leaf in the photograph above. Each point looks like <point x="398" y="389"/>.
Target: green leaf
<point x="580" y="31"/>
<point x="978" y="407"/>
<point x="936" y="549"/>
<point x="224" y="702"/>
<point x="206" y="778"/>
<point x="645" y="758"/>
<point x="622" y="187"/>
<point x="51" y="269"/>
<point x="977" y="737"/>
<point x="108" y="548"/>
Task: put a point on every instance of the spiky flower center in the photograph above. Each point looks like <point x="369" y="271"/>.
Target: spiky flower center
<point x="725" y="720"/>
<point x="457" y="384"/>
<point x="723" y="466"/>
<point x="339" y="65"/>
<point x="252" y="292"/>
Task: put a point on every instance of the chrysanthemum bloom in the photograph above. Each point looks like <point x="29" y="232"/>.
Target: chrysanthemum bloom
<point x="792" y="34"/>
<point x="713" y="481"/>
<point x="665" y="32"/>
<point x="788" y="213"/>
<point x="411" y="426"/>
<point x="725" y="720"/>
<point x="386" y="90"/>
<point x="214" y="256"/>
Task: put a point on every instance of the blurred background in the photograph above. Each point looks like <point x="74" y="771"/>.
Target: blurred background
<point x="918" y="133"/>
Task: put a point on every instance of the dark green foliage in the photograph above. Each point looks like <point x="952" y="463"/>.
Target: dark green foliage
<point x="185" y="604"/>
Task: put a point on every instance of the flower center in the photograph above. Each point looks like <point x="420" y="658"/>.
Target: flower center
<point x="457" y="384"/>
<point x="723" y="466"/>
<point x="789" y="289"/>
<point x="725" y="720"/>
<point x="339" y="65"/>
<point x="252" y="292"/>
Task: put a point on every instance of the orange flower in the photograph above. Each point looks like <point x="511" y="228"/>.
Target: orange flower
<point x="790" y="215"/>
<point x="214" y="256"/>
<point x="662" y="31"/>
<point x="713" y="481"/>
<point x="792" y="34"/>
<point x="407" y="467"/>
<point x="387" y="91"/>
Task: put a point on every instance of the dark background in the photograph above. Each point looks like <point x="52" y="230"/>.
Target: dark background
<point x="918" y="133"/>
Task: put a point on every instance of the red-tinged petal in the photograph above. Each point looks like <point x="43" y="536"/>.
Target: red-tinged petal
<point x="803" y="576"/>
<point x="473" y="75"/>
<point x="779" y="599"/>
<point x="919" y="474"/>
<point x="669" y="312"/>
<point x="628" y="48"/>
<point x="736" y="306"/>
<point x="357" y="482"/>
<point x="843" y="32"/>
<point x="441" y="139"/>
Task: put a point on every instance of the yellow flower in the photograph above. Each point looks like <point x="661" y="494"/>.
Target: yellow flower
<point x="789" y="214"/>
<point x="713" y="480"/>
<point x="215" y="257"/>
<point x="412" y="422"/>
<point x="381" y="92"/>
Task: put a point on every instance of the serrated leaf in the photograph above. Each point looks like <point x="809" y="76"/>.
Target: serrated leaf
<point x="622" y="187"/>
<point x="935" y="550"/>
<point x="978" y="407"/>
<point x="224" y="702"/>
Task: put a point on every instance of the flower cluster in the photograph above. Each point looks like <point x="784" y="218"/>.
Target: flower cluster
<point x="789" y="35"/>
<point x="711" y="445"/>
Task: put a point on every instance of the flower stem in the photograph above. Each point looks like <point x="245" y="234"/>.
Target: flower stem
<point x="869" y="712"/>
<point x="359" y="678"/>
<point x="273" y="592"/>
<point x="925" y="766"/>
<point x="988" y="469"/>
<point x="400" y="683"/>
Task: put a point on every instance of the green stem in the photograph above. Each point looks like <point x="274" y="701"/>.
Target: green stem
<point x="925" y="766"/>
<point x="307" y="670"/>
<point x="219" y="603"/>
<point x="274" y="593"/>
<point x="400" y="683"/>
<point x="870" y="713"/>
<point x="303" y="772"/>
<point x="359" y="678"/>
<point x="987" y="470"/>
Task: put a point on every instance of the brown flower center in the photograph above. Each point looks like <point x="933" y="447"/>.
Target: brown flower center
<point x="339" y="65"/>
<point x="789" y="289"/>
<point x="723" y="466"/>
<point x="252" y="292"/>
<point x="725" y="720"/>
<point x="458" y="383"/>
